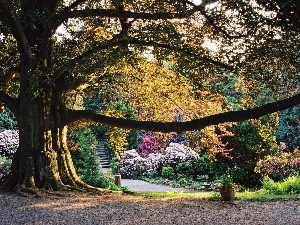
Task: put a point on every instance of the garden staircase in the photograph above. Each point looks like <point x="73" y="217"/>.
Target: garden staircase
<point x="104" y="160"/>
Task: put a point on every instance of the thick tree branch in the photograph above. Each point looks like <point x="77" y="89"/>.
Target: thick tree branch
<point x="16" y="28"/>
<point x="233" y="116"/>
<point x="64" y="12"/>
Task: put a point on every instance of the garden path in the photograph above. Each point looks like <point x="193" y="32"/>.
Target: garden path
<point x="143" y="186"/>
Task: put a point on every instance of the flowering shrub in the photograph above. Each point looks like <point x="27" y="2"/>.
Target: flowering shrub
<point x="177" y="153"/>
<point x="9" y="142"/>
<point x="133" y="164"/>
<point x="4" y="168"/>
<point x="149" y="145"/>
<point x="281" y="166"/>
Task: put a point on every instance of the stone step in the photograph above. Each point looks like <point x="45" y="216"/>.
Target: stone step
<point x="101" y="153"/>
<point x="104" y="160"/>
<point x="105" y="166"/>
<point x="103" y="157"/>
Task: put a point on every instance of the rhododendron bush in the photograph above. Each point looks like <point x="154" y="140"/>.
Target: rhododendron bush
<point x="280" y="166"/>
<point x="9" y="142"/>
<point x="134" y="164"/>
<point x="150" y="144"/>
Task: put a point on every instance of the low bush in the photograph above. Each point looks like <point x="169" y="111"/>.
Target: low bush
<point x="291" y="185"/>
<point x="5" y="165"/>
<point x="203" y="166"/>
<point x="176" y="153"/>
<point x="182" y="182"/>
<point x="184" y="169"/>
<point x="168" y="173"/>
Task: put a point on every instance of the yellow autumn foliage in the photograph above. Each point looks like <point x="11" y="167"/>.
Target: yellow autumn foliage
<point x="159" y="94"/>
<point x="117" y="136"/>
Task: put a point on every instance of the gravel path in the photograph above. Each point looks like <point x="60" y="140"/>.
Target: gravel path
<point x="120" y="209"/>
<point x="143" y="186"/>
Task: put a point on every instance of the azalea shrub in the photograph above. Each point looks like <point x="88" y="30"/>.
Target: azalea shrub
<point x="280" y="166"/>
<point x="9" y="143"/>
<point x="133" y="164"/>
<point x="149" y="144"/>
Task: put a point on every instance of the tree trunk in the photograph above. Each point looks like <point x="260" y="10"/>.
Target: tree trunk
<point x="43" y="160"/>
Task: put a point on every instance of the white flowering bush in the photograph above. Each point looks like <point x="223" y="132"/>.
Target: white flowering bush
<point x="9" y="142"/>
<point x="177" y="153"/>
<point x="132" y="164"/>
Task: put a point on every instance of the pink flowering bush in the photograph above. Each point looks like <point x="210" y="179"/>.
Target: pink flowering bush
<point x="133" y="164"/>
<point x="281" y="166"/>
<point x="149" y="145"/>
<point x="9" y="142"/>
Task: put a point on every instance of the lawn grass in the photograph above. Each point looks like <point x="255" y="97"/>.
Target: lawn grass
<point x="260" y="195"/>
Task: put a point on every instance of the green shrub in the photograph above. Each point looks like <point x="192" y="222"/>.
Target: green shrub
<point x="290" y="185"/>
<point x="114" y="166"/>
<point x="184" y="168"/>
<point x="252" y="141"/>
<point x="168" y="173"/>
<point x="182" y="182"/>
<point x="5" y="164"/>
<point x="115" y="187"/>
<point x="202" y="166"/>
<point x="244" y="176"/>
<point x="7" y="121"/>
<point x="84" y="157"/>
<point x="97" y="181"/>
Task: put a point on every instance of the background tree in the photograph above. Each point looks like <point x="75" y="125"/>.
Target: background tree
<point x="289" y="127"/>
<point x="40" y="66"/>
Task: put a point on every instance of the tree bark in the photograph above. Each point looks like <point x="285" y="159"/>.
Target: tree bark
<point x="43" y="160"/>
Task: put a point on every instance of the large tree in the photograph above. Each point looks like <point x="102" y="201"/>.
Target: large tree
<point x="41" y="67"/>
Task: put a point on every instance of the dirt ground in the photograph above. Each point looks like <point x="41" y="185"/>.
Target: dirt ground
<point x="121" y="209"/>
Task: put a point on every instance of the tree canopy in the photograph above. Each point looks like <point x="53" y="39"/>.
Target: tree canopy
<point x="250" y="39"/>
